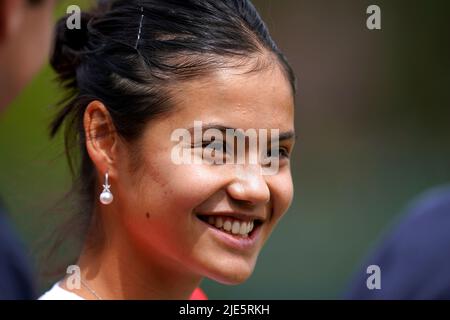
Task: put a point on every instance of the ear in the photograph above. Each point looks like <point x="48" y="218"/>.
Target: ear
<point x="101" y="137"/>
<point x="12" y="13"/>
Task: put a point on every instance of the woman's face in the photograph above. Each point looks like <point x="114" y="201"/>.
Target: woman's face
<point x="176" y="214"/>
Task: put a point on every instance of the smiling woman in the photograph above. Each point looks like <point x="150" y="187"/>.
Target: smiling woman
<point x="137" y="71"/>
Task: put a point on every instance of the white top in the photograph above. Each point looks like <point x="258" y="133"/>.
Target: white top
<point x="58" y="293"/>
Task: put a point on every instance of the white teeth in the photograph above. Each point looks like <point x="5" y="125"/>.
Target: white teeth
<point x="249" y="227"/>
<point x="219" y="222"/>
<point x="233" y="226"/>
<point x="236" y="227"/>
<point x="244" y="228"/>
<point x="227" y="225"/>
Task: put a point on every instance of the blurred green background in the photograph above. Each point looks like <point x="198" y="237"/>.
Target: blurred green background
<point x="372" y="117"/>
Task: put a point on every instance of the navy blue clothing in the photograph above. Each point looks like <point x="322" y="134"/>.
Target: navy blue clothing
<point x="415" y="258"/>
<point x="16" y="281"/>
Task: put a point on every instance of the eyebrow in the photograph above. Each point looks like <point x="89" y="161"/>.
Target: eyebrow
<point x="288" y="135"/>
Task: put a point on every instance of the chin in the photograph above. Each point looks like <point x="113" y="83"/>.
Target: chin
<point x="232" y="275"/>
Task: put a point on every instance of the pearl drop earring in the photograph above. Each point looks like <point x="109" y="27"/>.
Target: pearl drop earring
<point x="106" y="197"/>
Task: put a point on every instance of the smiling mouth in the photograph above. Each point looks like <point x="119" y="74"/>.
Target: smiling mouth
<point x="232" y="225"/>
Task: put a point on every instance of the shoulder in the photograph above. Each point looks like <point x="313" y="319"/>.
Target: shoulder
<point x="424" y="226"/>
<point x="427" y="217"/>
<point x="15" y="270"/>
<point x="412" y="256"/>
<point x="435" y="201"/>
<point x="58" y="293"/>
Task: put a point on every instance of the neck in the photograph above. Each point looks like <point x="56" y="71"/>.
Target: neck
<point x="119" y="270"/>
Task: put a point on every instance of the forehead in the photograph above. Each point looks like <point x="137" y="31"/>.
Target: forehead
<point x="260" y="99"/>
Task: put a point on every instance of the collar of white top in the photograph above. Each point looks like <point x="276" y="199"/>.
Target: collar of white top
<point x="58" y="293"/>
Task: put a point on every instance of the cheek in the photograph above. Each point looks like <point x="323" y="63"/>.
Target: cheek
<point x="282" y="190"/>
<point x="187" y="186"/>
<point x="164" y="187"/>
<point x="159" y="203"/>
<point x="39" y="39"/>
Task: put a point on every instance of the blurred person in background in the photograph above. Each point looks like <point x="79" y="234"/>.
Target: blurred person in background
<point x="414" y="257"/>
<point x="25" y="41"/>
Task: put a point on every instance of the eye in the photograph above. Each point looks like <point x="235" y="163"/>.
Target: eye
<point x="283" y="153"/>
<point x="217" y="145"/>
<point x="217" y="149"/>
<point x="213" y="144"/>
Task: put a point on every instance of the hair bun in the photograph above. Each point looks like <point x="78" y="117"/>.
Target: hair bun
<point x="68" y="47"/>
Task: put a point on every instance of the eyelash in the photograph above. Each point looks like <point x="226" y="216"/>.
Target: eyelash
<point x="208" y="143"/>
<point x="284" y="152"/>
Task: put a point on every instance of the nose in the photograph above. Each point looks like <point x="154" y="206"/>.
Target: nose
<point x="249" y="186"/>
